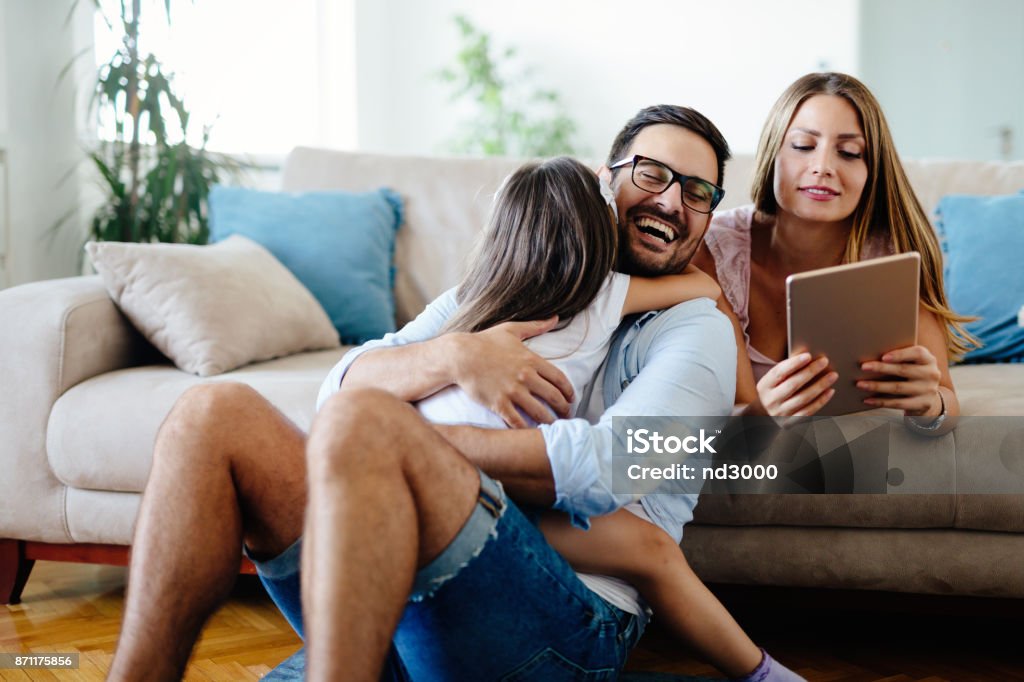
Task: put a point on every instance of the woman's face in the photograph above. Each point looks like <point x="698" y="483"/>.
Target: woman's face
<point x="820" y="170"/>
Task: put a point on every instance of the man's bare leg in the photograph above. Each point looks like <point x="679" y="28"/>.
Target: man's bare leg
<point x="227" y="466"/>
<point x="386" y="495"/>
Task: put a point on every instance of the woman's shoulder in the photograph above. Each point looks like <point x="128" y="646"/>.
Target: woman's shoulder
<point x="735" y="220"/>
<point x="728" y="236"/>
<point x="728" y="242"/>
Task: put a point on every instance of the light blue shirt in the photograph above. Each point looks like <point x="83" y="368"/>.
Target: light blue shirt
<point x="676" y="362"/>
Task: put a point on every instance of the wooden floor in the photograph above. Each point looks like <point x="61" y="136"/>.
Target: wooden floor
<point x="864" y="637"/>
<point x="77" y="608"/>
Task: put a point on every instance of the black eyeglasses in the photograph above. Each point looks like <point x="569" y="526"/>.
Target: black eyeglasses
<point x="655" y="177"/>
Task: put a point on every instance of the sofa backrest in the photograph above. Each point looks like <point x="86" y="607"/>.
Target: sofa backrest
<point x="447" y="200"/>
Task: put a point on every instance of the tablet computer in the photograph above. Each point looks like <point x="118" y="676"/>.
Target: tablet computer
<point x="853" y="313"/>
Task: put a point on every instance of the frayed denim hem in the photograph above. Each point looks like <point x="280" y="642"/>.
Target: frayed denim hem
<point x="480" y="528"/>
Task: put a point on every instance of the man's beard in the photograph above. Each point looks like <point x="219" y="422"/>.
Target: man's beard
<point x="633" y="262"/>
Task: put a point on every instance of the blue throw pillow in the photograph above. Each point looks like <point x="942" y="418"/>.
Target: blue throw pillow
<point x="340" y="245"/>
<point x="983" y="244"/>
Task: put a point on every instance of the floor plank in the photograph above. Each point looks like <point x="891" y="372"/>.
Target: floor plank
<point x="71" y="608"/>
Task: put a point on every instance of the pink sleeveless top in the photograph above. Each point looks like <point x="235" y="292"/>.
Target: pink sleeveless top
<point x="728" y="240"/>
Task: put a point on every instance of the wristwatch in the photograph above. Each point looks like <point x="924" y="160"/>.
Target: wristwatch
<point x="935" y="423"/>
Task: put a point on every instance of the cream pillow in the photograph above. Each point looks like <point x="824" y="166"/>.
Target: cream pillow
<point x="212" y="308"/>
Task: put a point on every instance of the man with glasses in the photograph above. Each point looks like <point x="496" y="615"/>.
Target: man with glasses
<point x="416" y="563"/>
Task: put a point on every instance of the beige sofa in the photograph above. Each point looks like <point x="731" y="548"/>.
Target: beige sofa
<point x="85" y="393"/>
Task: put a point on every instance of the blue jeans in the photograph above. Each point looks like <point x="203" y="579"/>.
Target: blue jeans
<point x="497" y="604"/>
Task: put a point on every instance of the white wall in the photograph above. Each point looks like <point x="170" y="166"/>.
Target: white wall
<point x="267" y="74"/>
<point x="38" y="131"/>
<point x="4" y="126"/>
<point x="729" y="59"/>
<point x="361" y="74"/>
<point x="949" y="74"/>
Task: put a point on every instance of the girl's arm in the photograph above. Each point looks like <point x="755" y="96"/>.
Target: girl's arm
<point x="625" y="546"/>
<point x="656" y="293"/>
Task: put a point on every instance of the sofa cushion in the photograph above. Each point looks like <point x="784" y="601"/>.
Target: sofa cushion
<point x="987" y="512"/>
<point x="982" y="241"/>
<point x="446" y="202"/>
<point x="339" y="244"/>
<point x="212" y="308"/>
<point x="990" y="390"/>
<point x="100" y="516"/>
<point x="838" y="511"/>
<point x="100" y="433"/>
<point x="971" y="478"/>
<point x="923" y="561"/>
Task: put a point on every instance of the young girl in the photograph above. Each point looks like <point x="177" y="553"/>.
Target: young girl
<point x="548" y="250"/>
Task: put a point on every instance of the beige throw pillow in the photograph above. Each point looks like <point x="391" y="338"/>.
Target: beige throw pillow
<point x="212" y="308"/>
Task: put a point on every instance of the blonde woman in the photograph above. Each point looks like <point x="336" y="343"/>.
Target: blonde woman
<point x="829" y="189"/>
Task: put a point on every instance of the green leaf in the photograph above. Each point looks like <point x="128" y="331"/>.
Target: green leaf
<point x="155" y="185"/>
<point x="510" y="117"/>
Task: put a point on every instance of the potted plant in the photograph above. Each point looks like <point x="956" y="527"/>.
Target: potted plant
<point x="155" y="183"/>
<point x="511" y="117"/>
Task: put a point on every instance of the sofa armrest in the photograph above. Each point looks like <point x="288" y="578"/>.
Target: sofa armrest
<point x="65" y="331"/>
<point x="53" y="335"/>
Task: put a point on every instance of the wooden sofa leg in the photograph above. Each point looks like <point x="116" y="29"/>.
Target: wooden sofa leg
<point x="14" y="570"/>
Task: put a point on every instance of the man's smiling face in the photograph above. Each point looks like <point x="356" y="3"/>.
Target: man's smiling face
<point x="658" y="235"/>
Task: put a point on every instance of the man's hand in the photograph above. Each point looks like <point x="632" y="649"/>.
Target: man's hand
<point x="502" y="374"/>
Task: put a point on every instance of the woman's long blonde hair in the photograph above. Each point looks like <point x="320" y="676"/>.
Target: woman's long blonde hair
<point x="887" y="205"/>
<point x="548" y="248"/>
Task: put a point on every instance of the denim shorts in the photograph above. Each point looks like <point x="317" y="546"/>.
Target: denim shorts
<point x="497" y="604"/>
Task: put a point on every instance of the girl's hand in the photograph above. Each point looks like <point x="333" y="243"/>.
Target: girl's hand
<point x="787" y="390"/>
<point x="911" y="383"/>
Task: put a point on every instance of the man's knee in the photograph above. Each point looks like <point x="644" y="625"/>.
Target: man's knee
<point x="213" y="402"/>
<point x="359" y="428"/>
<point x="204" y="410"/>
<point x="367" y="413"/>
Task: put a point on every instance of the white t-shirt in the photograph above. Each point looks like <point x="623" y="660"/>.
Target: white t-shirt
<point x="578" y="349"/>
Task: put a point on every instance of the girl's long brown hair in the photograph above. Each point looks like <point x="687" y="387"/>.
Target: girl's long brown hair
<point x="547" y="249"/>
<point x="888" y="203"/>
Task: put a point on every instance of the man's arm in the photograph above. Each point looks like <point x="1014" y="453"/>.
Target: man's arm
<point x="516" y="457"/>
<point x="411" y="372"/>
<point x="687" y="361"/>
<point x="419" y="333"/>
<point x="492" y="366"/>
<point x="687" y="370"/>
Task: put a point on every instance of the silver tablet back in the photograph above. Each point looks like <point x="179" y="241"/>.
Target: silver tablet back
<point x="854" y="313"/>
